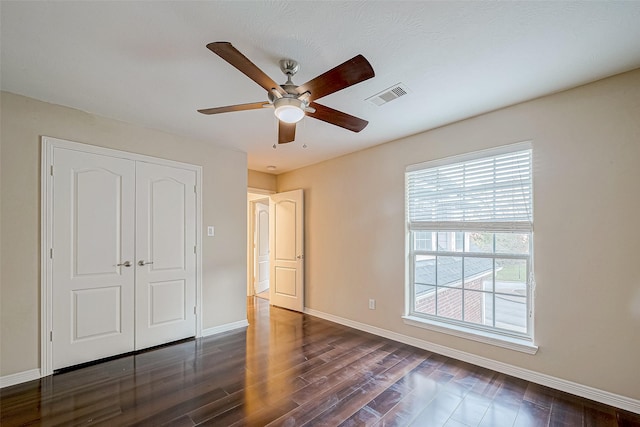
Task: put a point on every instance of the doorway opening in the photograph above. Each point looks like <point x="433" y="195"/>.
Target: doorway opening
<point x="258" y="268"/>
<point x="275" y="243"/>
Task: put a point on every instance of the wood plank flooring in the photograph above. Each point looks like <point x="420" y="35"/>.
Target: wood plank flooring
<point x="289" y="369"/>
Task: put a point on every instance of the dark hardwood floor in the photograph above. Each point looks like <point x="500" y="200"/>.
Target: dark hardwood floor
<point x="289" y="369"/>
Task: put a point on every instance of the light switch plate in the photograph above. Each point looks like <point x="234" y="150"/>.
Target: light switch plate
<point x="210" y="231"/>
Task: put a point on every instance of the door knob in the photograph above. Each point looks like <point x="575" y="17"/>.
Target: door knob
<point x="125" y="264"/>
<point x="141" y="262"/>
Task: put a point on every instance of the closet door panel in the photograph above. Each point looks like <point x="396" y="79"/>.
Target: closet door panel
<point x="166" y="259"/>
<point x="93" y="239"/>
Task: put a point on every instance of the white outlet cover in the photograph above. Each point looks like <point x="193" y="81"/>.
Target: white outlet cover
<point x="210" y="231"/>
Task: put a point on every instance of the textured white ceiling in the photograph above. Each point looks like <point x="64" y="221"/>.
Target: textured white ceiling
<point x="146" y="62"/>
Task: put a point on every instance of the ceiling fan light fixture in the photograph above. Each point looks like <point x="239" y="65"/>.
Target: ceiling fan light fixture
<point x="289" y="110"/>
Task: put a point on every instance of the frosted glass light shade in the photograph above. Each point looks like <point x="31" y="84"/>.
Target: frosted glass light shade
<point x="289" y="110"/>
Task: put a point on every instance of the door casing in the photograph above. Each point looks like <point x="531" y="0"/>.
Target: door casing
<point x="46" y="285"/>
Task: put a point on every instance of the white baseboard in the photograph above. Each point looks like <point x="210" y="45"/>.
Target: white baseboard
<point x="224" y="328"/>
<point x="20" y="377"/>
<point x="581" y="390"/>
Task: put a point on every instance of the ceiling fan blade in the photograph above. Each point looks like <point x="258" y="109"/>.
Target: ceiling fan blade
<point x="231" y="108"/>
<point x="230" y="54"/>
<point x="337" y="118"/>
<point x="286" y="132"/>
<point x="353" y="71"/>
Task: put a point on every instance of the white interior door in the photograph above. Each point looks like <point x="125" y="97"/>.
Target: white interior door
<point x="261" y="271"/>
<point x="93" y="273"/>
<point x="286" y="237"/>
<point x="165" y="254"/>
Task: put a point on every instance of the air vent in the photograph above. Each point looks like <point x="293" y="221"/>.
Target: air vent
<point x="388" y="95"/>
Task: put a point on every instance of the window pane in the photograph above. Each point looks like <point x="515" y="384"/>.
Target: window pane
<point x="511" y="288"/>
<point x="425" y="270"/>
<point x="511" y="313"/>
<point x="479" y="242"/>
<point x="459" y="239"/>
<point x="444" y="241"/>
<point x="478" y="273"/>
<point x="511" y="276"/>
<point x="450" y="241"/>
<point x="423" y="240"/>
<point x="478" y="308"/>
<point x="449" y="271"/>
<point x="488" y="308"/>
<point x="425" y="301"/>
<point x="449" y="303"/>
<point x="512" y="243"/>
<point x="416" y="240"/>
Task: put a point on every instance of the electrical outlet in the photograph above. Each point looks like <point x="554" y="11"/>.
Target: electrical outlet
<point x="372" y="304"/>
<point x="210" y="231"/>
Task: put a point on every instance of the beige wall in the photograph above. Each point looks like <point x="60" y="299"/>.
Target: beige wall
<point x="224" y="197"/>
<point x="261" y="180"/>
<point x="586" y="145"/>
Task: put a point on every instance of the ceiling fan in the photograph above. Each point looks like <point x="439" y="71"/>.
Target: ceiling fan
<point x="293" y="102"/>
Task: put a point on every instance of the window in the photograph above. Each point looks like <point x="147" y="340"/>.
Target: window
<point x="470" y="225"/>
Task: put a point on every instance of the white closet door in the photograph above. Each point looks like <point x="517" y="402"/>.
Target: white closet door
<point x="165" y="256"/>
<point x="93" y="235"/>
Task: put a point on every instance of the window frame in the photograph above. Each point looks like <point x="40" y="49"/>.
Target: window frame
<point x="488" y="334"/>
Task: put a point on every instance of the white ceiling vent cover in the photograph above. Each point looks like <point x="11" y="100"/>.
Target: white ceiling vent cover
<point x="389" y="94"/>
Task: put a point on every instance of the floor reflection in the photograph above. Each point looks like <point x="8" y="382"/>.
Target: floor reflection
<point x="273" y="347"/>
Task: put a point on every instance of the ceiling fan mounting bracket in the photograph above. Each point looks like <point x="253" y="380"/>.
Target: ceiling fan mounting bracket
<point x="289" y="67"/>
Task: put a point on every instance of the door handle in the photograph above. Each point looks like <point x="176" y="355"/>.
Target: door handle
<point x="300" y="257"/>
<point x="141" y="262"/>
<point x="125" y="264"/>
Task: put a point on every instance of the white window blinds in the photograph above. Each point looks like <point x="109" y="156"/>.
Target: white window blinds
<point x="489" y="192"/>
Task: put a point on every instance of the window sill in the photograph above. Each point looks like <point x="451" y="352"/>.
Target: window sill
<point x="498" y="340"/>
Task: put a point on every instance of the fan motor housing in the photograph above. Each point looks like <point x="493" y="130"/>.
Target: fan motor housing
<point x="289" y="67"/>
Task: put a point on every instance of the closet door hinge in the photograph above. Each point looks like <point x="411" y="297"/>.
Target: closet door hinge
<point x="195" y="310"/>
<point x="51" y="170"/>
<point x="51" y="336"/>
<point x="195" y="189"/>
<point x="195" y="249"/>
<point x="51" y="253"/>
